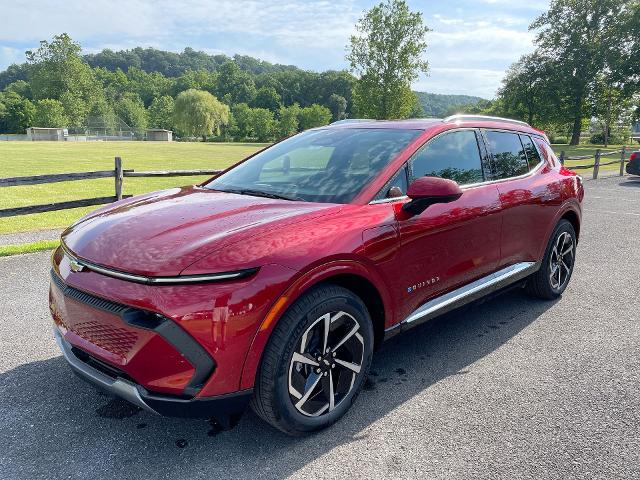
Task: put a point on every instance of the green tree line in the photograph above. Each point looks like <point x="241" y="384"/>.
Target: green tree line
<point x="583" y="74"/>
<point x="192" y="93"/>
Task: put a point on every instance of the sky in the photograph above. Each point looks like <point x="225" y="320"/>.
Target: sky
<point x="470" y="46"/>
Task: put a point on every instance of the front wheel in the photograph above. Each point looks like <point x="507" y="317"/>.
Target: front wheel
<point x="315" y="362"/>
<point x="551" y="280"/>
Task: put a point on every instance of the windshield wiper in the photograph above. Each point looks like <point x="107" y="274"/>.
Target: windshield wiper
<point x="260" y="193"/>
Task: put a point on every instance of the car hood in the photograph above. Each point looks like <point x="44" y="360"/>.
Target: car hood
<point x="162" y="233"/>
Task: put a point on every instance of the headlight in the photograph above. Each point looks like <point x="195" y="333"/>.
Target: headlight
<point x="78" y="265"/>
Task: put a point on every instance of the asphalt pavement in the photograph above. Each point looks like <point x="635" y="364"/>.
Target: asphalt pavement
<point x="510" y="388"/>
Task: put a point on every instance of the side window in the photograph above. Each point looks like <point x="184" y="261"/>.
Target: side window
<point x="533" y="156"/>
<point x="396" y="187"/>
<point x="509" y="158"/>
<point x="453" y="155"/>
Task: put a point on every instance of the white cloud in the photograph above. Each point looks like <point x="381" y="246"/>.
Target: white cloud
<point x="465" y="81"/>
<point x="9" y="55"/>
<point x="471" y="44"/>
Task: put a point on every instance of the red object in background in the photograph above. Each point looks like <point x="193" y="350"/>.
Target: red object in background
<point x="181" y="343"/>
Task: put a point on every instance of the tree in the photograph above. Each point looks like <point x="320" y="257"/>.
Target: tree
<point x="49" y="113"/>
<point x="387" y="54"/>
<point x="263" y="124"/>
<point x="609" y="105"/>
<point x="314" y="116"/>
<point x="148" y="85"/>
<point x="338" y="107"/>
<point x="18" y="113"/>
<point x="530" y="90"/>
<point x="267" y="97"/>
<point x="197" y="80"/>
<point x="161" y="112"/>
<point x="76" y="108"/>
<point x="56" y="68"/>
<point x="288" y="120"/>
<point x="20" y="87"/>
<point x="241" y="127"/>
<point x="132" y="112"/>
<point x="199" y="113"/>
<point x="581" y="37"/>
<point x="235" y="85"/>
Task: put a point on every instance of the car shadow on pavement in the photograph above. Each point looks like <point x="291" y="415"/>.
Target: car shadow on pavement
<point x="633" y="182"/>
<point x="55" y="425"/>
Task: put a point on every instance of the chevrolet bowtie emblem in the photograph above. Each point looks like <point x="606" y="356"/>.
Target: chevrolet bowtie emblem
<point x="75" y="266"/>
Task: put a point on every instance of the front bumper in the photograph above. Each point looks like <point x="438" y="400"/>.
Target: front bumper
<point x="221" y="407"/>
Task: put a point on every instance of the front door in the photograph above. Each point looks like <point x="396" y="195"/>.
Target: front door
<point x="451" y="244"/>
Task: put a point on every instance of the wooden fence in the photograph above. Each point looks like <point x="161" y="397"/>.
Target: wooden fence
<point x="118" y="173"/>
<point x="597" y="161"/>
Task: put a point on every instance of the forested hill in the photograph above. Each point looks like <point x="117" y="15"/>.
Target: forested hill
<point x="149" y="60"/>
<point x="141" y="87"/>
<point x="172" y="64"/>
<point x="436" y="105"/>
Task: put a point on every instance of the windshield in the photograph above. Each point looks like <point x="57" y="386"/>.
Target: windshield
<point x="327" y="165"/>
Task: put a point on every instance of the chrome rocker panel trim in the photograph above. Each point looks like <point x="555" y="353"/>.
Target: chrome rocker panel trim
<point x="466" y="294"/>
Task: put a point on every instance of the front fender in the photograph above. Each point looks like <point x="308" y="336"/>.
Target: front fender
<point x="304" y="281"/>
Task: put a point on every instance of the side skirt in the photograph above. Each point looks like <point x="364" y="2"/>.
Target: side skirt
<point x="463" y="295"/>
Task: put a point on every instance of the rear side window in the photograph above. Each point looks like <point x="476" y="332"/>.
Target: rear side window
<point x="533" y="156"/>
<point x="509" y="157"/>
<point x="453" y="155"/>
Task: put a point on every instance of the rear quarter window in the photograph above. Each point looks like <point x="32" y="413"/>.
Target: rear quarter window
<point x="533" y="156"/>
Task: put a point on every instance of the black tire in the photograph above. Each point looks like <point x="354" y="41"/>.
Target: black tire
<point x="541" y="284"/>
<point x="273" y="400"/>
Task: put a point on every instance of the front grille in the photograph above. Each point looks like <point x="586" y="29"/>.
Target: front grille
<point x="120" y="341"/>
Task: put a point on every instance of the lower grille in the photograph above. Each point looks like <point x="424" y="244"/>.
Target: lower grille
<point x="107" y="337"/>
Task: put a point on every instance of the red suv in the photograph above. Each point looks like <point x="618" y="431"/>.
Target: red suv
<point x="273" y="283"/>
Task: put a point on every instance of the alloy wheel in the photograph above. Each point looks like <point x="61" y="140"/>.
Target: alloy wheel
<point x="326" y="363"/>
<point x="561" y="261"/>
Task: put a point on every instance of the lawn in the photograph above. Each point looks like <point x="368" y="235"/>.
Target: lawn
<point x="581" y="150"/>
<point x="37" y="158"/>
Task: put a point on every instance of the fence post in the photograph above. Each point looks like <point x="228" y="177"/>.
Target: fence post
<point x="596" y="166"/>
<point x="562" y="157"/>
<point x="119" y="177"/>
<point x="622" y="155"/>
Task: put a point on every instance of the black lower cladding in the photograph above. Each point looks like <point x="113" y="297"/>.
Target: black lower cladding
<point x="220" y="407"/>
<point x="224" y="408"/>
<point x="183" y="342"/>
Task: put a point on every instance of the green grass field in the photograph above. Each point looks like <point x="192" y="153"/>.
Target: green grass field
<point x="37" y="158"/>
<point x="581" y="150"/>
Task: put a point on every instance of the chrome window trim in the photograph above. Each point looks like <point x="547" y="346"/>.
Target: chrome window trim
<point x="531" y="172"/>
<point x="388" y="200"/>
<point x="150" y="280"/>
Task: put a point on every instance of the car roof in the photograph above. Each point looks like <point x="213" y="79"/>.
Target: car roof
<point x="471" y="121"/>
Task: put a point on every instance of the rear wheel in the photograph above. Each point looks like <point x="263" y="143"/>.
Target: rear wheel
<point x="315" y="362"/>
<point x="551" y="280"/>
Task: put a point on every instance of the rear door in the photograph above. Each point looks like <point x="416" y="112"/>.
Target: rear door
<point x="527" y="195"/>
<point x="451" y="244"/>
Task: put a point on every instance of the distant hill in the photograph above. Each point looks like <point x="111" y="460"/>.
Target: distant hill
<point x="436" y="105"/>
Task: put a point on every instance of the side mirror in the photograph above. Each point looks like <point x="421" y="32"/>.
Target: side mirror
<point x="425" y="191"/>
